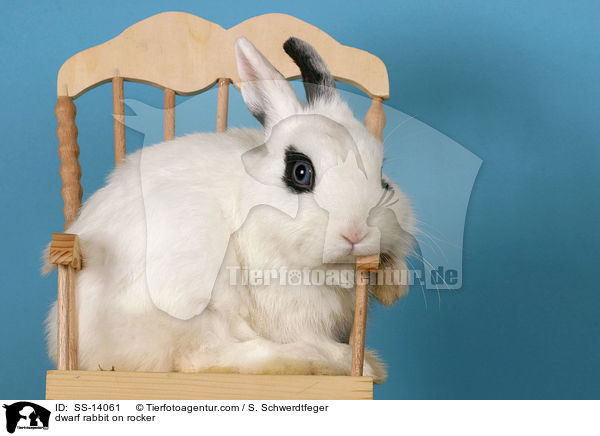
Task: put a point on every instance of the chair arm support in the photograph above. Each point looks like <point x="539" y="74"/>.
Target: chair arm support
<point x="65" y="252"/>
<point x="364" y="265"/>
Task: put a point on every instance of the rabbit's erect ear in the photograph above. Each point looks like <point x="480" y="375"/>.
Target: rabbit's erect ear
<point x="318" y="82"/>
<point x="268" y="96"/>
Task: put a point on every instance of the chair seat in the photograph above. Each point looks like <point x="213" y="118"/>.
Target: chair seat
<point x="124" y="385"/>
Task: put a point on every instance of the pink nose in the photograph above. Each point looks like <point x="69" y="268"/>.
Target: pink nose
<point x="354" y="236"/>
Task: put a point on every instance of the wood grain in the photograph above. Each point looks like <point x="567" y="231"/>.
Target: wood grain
<point x="68" y="151"/>
<point x="116" y="385"/>
<point x="222" y="104"/>
<point x="65" y="250"/>
<point x="119" y="119"/>
<point x="169" y="121"/>
<point x="367" y="263"/>
<point x="187" y="54"/>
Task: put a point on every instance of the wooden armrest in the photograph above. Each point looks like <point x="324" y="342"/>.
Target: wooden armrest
<point x="65" y="250"/>
<point x="368" y="263"/>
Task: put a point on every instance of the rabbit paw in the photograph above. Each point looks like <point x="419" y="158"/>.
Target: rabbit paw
<point x="374" y="367"/>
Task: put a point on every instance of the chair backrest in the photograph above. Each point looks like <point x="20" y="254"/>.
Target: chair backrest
<point x="185" y="54"/>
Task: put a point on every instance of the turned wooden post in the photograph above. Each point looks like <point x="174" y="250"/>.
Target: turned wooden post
<point x="68" y="150"/>
<point x="119" y="119"/>
<point x="70" y="173"/>
<point x="222" y="104"/>
<point x="359" y="327"/>
<point x="169" y="121"/>
<point x="375" y="118"/>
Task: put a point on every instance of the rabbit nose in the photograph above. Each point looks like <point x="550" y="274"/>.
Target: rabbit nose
<point x="354" y="236"/>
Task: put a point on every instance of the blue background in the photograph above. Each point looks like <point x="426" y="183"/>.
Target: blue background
<point x="516" y="83"/>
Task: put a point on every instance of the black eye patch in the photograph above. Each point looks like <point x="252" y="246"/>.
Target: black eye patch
<point x="299" y="173"/>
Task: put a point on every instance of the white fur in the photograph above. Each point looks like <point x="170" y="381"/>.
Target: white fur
<point x="146" y="305"/>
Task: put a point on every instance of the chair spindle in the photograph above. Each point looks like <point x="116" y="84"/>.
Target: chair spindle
<point x="119" y="119"/>
<point x="169" y="123"/>
<point x="222" y="104"/>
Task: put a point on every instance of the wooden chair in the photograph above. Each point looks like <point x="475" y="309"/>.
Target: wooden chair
<point x="184" y="54"/>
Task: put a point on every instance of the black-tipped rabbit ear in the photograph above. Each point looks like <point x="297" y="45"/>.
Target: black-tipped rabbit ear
<point x="268" y="96"/>
<point x="318" y="81"/>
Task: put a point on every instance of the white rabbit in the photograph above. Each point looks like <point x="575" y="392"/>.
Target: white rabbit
<point x="164" y="240"/>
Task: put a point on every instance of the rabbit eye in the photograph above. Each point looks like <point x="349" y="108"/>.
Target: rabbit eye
<point x="299" y="172"/>
<point x="302" y="173"/>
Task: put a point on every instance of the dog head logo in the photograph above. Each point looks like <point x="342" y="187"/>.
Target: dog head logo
<point x="26" y="415"/>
